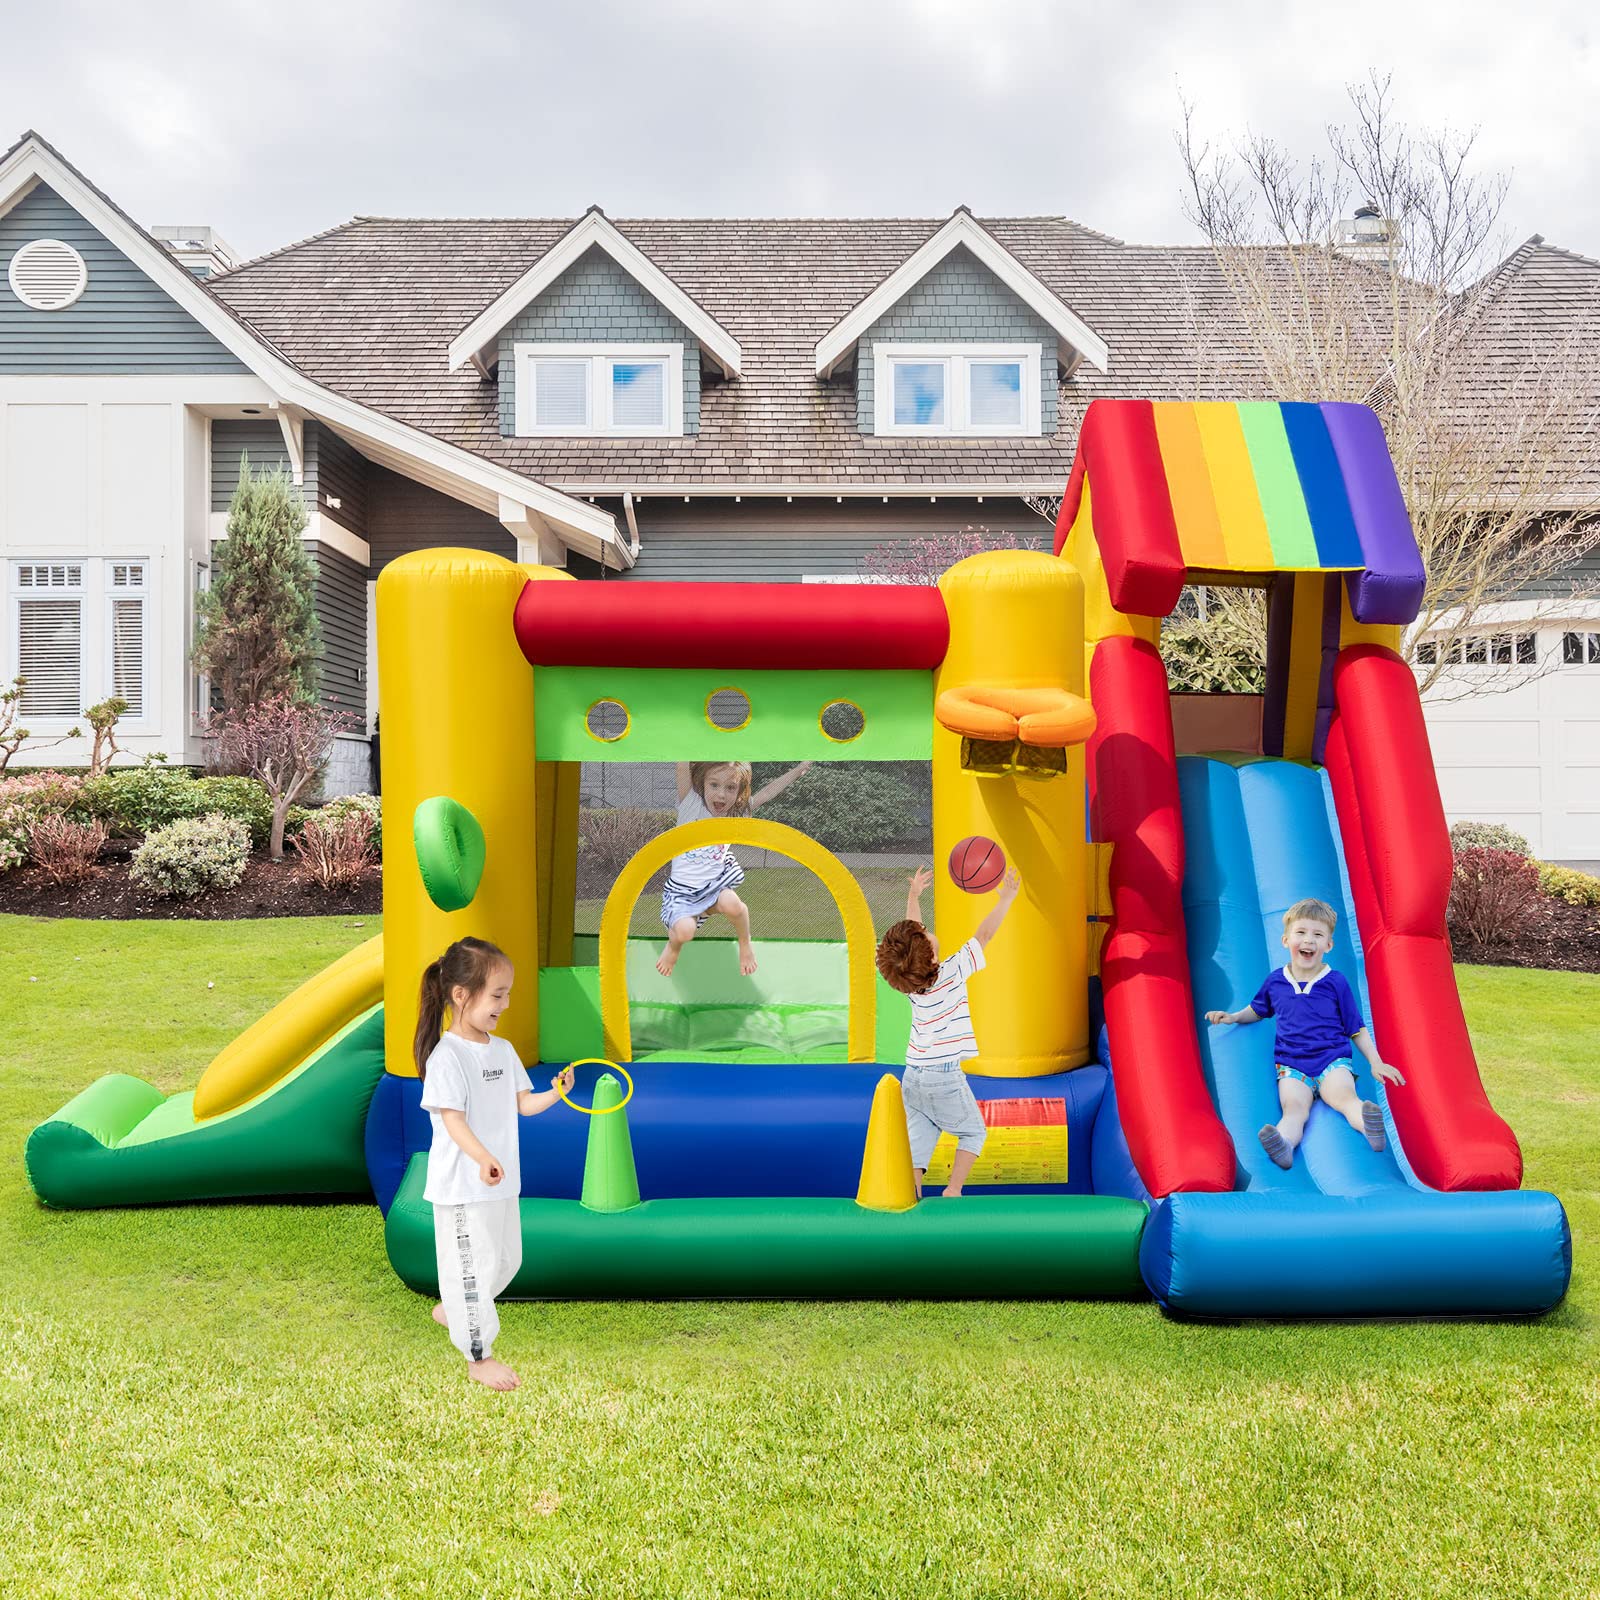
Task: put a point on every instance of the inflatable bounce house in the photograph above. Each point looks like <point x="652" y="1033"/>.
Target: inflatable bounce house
<point x="761" y="1148"/>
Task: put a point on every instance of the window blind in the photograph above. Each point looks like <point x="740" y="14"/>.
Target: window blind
<point x="50" y="656"/>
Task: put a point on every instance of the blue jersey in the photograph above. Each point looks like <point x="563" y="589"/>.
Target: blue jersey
<point x="1316" y="1020"/>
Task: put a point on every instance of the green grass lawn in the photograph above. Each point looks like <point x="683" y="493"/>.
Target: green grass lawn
<point x="242" y="1399"/>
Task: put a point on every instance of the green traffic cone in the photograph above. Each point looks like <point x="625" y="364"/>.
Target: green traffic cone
<point x="609" y="1181"/>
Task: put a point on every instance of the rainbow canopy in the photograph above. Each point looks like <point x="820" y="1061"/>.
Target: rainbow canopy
<point x="1180" y="489"/>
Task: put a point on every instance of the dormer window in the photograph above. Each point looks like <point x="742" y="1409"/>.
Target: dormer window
<point x="608" y="391"/>
<point x="965" y="390"/>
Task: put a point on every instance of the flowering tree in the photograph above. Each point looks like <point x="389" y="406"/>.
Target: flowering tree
<point x="282" y="741"/>
<point x="925" y="561"/>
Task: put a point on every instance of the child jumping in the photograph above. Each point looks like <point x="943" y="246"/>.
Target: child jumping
<point x="938" y="1098"/>
<point x="474" y="1086"/>
<point x="702" y="881"/>
<point x="1318" y="1021"/>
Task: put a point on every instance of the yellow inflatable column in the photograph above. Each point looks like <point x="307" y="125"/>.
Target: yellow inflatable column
<point x="1016" y="621"/>
<point x="457" y="707"/>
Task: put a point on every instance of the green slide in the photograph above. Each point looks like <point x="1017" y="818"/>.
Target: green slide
<point x="122" y="1142"/>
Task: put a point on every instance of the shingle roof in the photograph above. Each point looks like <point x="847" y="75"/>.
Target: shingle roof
<point x="370" y="309"/>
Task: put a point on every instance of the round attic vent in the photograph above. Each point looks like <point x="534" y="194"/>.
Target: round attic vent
<point x="48" y="275"/>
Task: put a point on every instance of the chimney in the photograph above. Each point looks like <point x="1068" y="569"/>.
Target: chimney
<point x="1367" y="236"/>
<point x="203" y="251"/>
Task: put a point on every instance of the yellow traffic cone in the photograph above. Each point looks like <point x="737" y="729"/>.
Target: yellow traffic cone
<point x="887" y="1183"/>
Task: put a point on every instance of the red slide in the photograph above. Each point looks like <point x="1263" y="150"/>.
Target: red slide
<point x="1173" y="1131"/>
<point x="1397" y="850"/>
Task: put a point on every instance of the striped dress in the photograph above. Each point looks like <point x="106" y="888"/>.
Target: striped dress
<point x="941" y="1023"/>
<point x="697" y="877"/>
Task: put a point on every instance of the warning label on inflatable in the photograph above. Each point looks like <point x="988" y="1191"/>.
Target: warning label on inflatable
<point x="1027" y="1143"/>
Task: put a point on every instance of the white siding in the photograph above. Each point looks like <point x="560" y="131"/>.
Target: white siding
<point x="1528" y="755"/>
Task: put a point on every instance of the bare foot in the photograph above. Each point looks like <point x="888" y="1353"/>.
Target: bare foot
<point x="747" y="959"/>
<point x="952" y="1194"/>
<point x="439" y="1316"/>
<point x="492" y="1374"/>
<point x="667" y="960"/>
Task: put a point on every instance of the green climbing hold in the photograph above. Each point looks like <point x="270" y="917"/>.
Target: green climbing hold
<point x="609" y="1181"/>
<point x="450" y="851"/>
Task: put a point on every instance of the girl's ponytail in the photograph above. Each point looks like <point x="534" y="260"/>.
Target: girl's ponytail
<point x="467" y="964"/>
<point x="430" y="1015"/>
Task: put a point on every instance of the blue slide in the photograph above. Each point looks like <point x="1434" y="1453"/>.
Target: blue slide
<point x="1345" y="1231"/>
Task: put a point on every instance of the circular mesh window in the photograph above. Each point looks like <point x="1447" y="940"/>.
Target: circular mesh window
<point x="728" y="709"/>
<point x="843" y="720"/>
<point x="607" y="720"/>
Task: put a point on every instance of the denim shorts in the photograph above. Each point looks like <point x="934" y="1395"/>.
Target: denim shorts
<point x="938" y="1100"/>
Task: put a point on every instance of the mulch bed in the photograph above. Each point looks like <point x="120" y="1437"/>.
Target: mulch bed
<point x="1562" y="938"/>
<point x="268" y="889"/>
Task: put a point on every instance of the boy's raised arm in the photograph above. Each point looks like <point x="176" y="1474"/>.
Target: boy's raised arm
<point x="685" y="782"/>
<point x="920" y="879"/>
<point x="990" y="925"/>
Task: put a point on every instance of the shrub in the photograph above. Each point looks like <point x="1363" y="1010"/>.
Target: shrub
<point x="1487" y="836"/>
<point x="610" y="836"/>
<point x="335" y="851"/>
<point x="363" y="805"/>
<point x="137" y="799"/>
<point x="244" y="799"/>
<point x="1568" y="884"/>
<point x="103" y="719"/>
<point x="192" y="855"/>
<point x="24" y="801"/>
<point x="1494" y="895"/>
<point x="65" y="851"/>
<point x="855" y="805"/>
<point x="283" y="742"/>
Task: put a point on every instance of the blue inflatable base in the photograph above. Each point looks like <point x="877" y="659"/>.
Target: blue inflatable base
<point x="1401" y="1252"/>
<point x="707" y="1129"/>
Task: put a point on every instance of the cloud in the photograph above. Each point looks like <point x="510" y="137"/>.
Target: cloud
<point x="273" y="123"/>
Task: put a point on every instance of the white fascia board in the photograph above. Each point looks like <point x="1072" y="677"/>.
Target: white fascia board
<point x="456" y="472"/>
<point x="854" y="489"/>
<point x="479" y="335"/>
<point x="840" y="340"/>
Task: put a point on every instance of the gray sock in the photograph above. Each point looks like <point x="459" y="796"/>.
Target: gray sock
<point x="1276" y="1146"/>
<point x="1372" y="1123"/>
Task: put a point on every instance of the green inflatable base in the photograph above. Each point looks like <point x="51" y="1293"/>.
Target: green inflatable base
<point x="1011" y="1247"/>
<point x="122" y="1143"/>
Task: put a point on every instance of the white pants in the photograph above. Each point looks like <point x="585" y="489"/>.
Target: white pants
<point x="479" y="1248"/>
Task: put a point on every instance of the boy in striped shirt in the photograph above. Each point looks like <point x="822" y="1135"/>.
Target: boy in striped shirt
<point x="938" y="1098"/>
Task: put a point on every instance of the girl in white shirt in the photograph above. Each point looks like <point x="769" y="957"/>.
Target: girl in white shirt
<point x="702" y="881"/>
<point x="474" y="1087"/>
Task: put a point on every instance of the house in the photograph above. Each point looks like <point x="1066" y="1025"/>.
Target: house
<point x="735" y="400"/>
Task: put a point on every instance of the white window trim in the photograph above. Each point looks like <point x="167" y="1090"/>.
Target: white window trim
<point x="956" y="359"/>
<point x="143" y="594"/>
<point x="599" y="357"/>
<point x="95" y="648"/>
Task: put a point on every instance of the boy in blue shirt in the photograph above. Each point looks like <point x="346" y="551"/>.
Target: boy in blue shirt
<point x="1318" y="1021"/>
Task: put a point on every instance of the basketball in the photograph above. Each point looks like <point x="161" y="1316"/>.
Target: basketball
<point x="977" y="864"/>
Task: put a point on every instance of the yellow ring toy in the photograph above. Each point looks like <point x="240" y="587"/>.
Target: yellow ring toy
<point x="600" y="1061"/>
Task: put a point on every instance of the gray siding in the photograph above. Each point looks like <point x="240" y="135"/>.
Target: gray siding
<point x="341" y="601"/>
<point x="331" y="467"/>
<point x="338" y="469"/>
<point x="258" y="437"/>
<point x="720" y="541"/>
<point x="403" y="516"/>
<point x="595" y="302"/>
<point x="960" y="301"/>
<point x="122" y="323"/>
<point x="1583" y="575"/>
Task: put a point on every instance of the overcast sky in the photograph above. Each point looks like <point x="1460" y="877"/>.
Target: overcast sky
<point x="271" y="122"/>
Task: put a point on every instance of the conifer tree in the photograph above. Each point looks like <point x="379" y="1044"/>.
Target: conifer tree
<point x="257" y="633"/>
